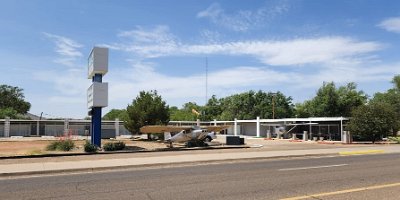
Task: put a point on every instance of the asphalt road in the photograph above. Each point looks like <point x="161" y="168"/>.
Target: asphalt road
<point x="342" y="177"/>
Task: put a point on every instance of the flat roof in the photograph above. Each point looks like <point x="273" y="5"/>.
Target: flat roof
<point x="309" y="120"/>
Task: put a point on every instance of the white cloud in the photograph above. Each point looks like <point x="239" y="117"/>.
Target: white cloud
<point x="70" y="82"/>
<point x="66" y="48"/>
<point x="292" y="52"/>
<point x="211" y="37"/>
<point x="243" y="20"/>
<point x="160" y="42"/>
<point x="391" y="24"/>
<point x="176" y="90"/>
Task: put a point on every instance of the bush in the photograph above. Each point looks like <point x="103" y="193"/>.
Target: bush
<point x="114" y="146"/>
<point x="66" y="145"/>
<point x="109" y="146"/>
<point x="395" y="139"/>
<point x="119" y="145"/>
<point x="52" y="146"/>
<point x="61" y="145"/>
<point x="90" y="148"/>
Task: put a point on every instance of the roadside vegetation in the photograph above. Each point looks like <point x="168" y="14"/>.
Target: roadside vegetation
<point x="89" y="148"/>
<point x="114" y="146"/>
<point x="61" y="145"/>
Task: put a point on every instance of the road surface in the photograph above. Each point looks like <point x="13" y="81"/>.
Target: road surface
<point x="340" y="177"/>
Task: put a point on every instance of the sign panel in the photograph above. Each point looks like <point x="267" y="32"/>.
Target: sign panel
<point x="98" y="61"/>
<point x="97" y="95"/>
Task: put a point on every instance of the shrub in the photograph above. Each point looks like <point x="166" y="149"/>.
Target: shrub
<point x="61" y="145"/>
<point x="65" y="145"/>
<point x="119" y="145"/>
<point x="109" y="146"/>
<point x="114" y="146"/>
<point x="395" y="139"/>
<point x="90" y="148"/>
<point x="52" y="146"/>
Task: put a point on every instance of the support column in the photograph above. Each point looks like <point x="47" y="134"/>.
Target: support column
<point x="37" y="128"/>
<point x="96" y="126"/>
<point x="305" y="136"/>
<point x="341" y="129"/>
<point x="258" y="126"/>
<point x="235" y="128"/>
<point x="66" y="127"/>
<point x="7" y="127"/>
<point x="117" y="128"/>
<point x="198" y="122"/>
<point x="269" y="133"/>
<point x="215" y="122"/>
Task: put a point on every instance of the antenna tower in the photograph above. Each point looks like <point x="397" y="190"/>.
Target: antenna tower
<point x="206" y="81"/>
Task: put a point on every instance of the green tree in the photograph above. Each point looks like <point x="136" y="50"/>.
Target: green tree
<point x="12" y="101"/>
<point x="326" y="102"/>
<point x="186" y="112"/>
<point x="213" y="109"/>
<point x="391" y="97"/>
<point x="8" y="112"/>
<point x="350" y="98"/>
<point x="249" y="105"/>
<point x="396" y="82"/>
<point x="113" y="114"/>
<point x="372" y="121"/>
<point x="147" y="109"/>
<point x="331" y="101"/>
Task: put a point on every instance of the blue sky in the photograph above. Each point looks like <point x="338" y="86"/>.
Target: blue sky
<point x="287" y="46"/>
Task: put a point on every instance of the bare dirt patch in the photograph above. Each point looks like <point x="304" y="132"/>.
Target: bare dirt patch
<point x="34" y="147"/>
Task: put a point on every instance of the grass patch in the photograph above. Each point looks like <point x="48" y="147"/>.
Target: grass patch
<point x="34" y="152"/>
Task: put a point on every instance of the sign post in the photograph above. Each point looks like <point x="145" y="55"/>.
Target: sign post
<point x="97" y="93"/>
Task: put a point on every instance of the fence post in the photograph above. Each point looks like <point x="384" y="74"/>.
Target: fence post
<point x="66" y="127"/>
<point x="235" y="128"/>
<point x="269" y="133"/>
<point x="258" y="126"/>
<point x="37" y="128"/>
<point x="7" y="127"/>
<point x="305" y="135"/>
<point x="117" y="127"/>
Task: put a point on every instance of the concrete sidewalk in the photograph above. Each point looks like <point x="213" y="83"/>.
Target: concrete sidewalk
<point x="101" y="164"/>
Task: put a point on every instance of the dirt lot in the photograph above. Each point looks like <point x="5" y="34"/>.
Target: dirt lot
<point x="34" y="146"/>
<point x="30" y="146"/>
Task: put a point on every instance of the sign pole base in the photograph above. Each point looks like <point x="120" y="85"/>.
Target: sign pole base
<point x="96" y="126"/>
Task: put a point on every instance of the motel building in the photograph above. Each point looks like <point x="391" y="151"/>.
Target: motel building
<point x="316" y="128"/>
<point x="319" y="128"/>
